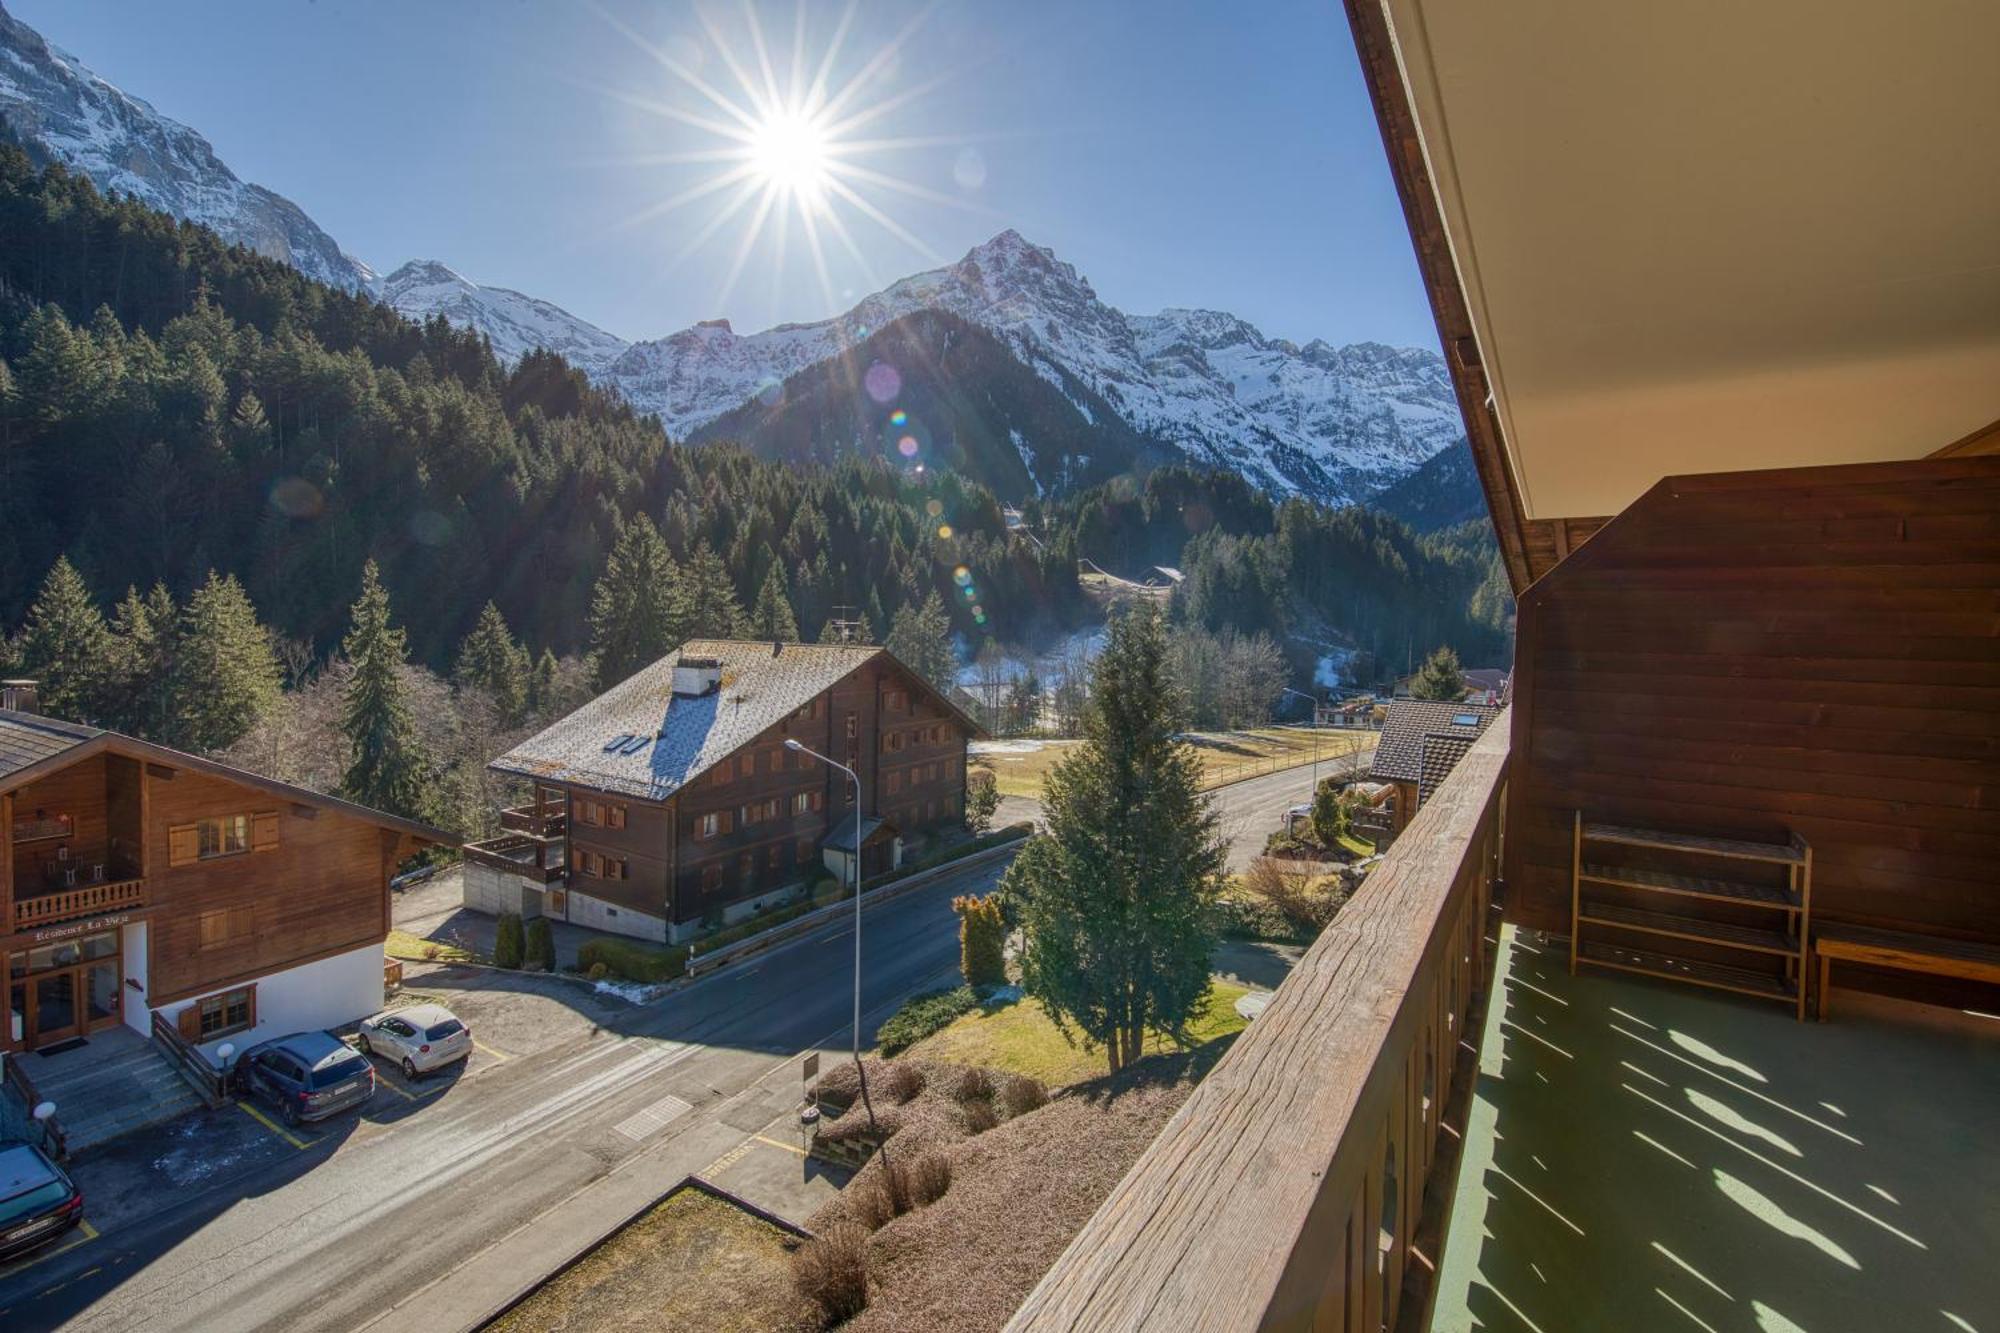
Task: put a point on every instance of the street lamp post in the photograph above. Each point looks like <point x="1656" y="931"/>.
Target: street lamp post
<point x="860" y="1073"/>
<point x="1315" y="707"/>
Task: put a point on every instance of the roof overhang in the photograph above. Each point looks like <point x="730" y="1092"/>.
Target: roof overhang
<point x="1697" y="237"/>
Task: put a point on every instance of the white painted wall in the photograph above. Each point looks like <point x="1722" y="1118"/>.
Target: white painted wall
<point x="138" y="1013"/>
<point x="324" y="994"/>
<point x="600" y="915"/>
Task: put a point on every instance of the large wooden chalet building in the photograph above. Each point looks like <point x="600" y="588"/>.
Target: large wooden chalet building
<point x="670" y="803"/>
<point x="142" y="886"/>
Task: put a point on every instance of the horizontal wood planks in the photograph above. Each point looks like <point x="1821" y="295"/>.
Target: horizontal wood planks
<point x="1750" y="654"/>
<point x="1261" y="1202"/>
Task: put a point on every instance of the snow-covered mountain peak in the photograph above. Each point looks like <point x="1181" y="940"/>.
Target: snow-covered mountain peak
<point x="515" y="324"/>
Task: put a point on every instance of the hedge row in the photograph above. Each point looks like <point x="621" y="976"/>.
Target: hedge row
<point x="629" y="960"/>
<point x="956" y="852"/>
<point x="921" y="1015"/>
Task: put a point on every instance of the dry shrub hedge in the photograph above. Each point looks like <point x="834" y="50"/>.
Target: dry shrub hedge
<point x="831" y="1270"/>
<point x="930" y="1177"/>
<point x="1020" y="1094"/>
<point x="973" y="1085"/>
<point x="980" y="1117"/>
<point x="898" y="1082"/>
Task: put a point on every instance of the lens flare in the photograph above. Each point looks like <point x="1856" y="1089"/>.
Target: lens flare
<point x="944" y="532"/>
<point x="899" y="419"/>
<point x="883" y="382"/>
<point x="907" y="446"/>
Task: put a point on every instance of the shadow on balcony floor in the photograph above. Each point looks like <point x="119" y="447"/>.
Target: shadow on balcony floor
<point x="1644" y="1157"/>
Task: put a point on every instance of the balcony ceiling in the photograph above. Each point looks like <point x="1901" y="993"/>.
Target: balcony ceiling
<point x="1710" y="235"/>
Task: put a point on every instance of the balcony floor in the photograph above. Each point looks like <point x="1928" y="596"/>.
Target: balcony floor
<point x="1645" y="1156"/>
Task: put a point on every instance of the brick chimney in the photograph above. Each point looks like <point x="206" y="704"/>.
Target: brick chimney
<point x="19" y="696"/>
<point x="696" y="676"/>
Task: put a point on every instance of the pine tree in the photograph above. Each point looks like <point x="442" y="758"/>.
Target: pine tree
<point x="637" y="613"/>
<point x="143" y="635"/>
<point x="1440" y="677"/>
<point x="710" y="597"/>
<point x="771" y="618"/>
<point x="920" y="638"/>
<point x="542" y="685"/>
<point x="224" y="673"/>
<point x="1116" y="892"/>
<point x="388" y="765"/>
<point x="66" y="647"/>
<point x="490" y="660"/>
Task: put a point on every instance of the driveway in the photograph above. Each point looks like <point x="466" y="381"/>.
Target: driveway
<point x="433" y="909"/>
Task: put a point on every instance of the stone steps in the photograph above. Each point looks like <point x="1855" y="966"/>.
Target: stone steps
<point x="125" y="1090"/>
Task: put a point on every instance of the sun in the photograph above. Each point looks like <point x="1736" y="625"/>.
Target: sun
<point x="789" y="151"/>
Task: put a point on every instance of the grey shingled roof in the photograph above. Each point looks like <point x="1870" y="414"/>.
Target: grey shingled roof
<point x="762" y="684"/>
<point x="26" y="739"/>
<point x="840" y="837"/>
<point x="1441" y="753"/>
<point x="1399" y="754"/>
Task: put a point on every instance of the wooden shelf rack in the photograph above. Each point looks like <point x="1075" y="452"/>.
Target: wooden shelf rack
<point x="1768" y="920"/>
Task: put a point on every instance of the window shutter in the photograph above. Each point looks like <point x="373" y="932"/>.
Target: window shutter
<point x="819" y="800"/>
<point x="264" y="832"/>
<point x="726" y="824"/>
<point x="183" y="844"/>
<point x="190" y="1022"/>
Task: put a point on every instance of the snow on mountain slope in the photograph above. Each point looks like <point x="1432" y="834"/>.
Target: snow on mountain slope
<point x="1334" y="423"/>
<point x="513" y="323"/>
<point x="55" y="105"/>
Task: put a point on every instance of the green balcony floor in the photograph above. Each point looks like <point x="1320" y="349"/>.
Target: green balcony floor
<point x="1646" y="1156"/>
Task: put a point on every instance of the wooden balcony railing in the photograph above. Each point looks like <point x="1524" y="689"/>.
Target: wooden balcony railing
<point x="1288" y="1190"/>
<point x="545" y="822"/>
<point x="519" y="854"/>
<point x="83" y="900"/>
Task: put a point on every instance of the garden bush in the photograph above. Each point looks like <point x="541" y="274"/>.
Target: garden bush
<point x="980" y="1117"/>
<point x="930" y="1177"/>
<point x="540" y="951"/>
<point x="982" y="939"/>
<point x="973" y="1085"/>
<point x="1020" y="1094"/>
<point x="924" y="1014"/>
<point x="629" y="960"/>
<point x="508" y="943"/>
<point x="831" y="1271"/>
<point x="901" y="1083"/>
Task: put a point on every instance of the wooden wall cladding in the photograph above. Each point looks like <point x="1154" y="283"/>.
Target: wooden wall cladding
<point x="1547" y="542"/>
<point x="322" y="890"/>
<point x="1748" y="654"/>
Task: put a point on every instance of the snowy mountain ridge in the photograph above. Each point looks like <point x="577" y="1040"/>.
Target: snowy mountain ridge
<point x="514" y="323"/>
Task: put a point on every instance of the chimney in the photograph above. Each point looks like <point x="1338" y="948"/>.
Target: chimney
<point x="696" y="676"/>
<point x="18" y="696"/>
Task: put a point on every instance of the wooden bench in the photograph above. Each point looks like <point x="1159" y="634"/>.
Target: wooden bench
<point x="1910" y="953"/>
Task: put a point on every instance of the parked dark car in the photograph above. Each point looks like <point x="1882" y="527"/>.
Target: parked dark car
<point x="38" y="1200"/>
<point x="307" y="1076"/>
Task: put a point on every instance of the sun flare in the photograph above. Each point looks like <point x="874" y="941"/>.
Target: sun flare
<point x="790" y="151"/>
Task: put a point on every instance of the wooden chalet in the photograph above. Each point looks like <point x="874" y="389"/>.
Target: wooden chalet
<point x="1422" y="741"/>
<point x="670" y="801"/>
<point x="160" y="892"/>
<point x="1716" y="286"/>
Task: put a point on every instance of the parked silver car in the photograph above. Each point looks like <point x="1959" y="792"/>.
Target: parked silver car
<point x="419" y="1037"/>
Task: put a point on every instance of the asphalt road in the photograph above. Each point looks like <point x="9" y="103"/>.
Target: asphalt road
<point x="368" y="1223"/>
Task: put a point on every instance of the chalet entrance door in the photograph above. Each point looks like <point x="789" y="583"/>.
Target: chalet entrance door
<point x="55" y="1007"/>
<point x="66" y="990"/>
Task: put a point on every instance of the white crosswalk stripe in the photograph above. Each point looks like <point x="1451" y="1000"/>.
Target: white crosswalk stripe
<point x="652" y="1119"/>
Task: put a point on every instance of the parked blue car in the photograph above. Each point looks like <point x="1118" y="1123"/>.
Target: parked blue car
<point x="307" y="1076"/>
<point x="38" y="1201"/>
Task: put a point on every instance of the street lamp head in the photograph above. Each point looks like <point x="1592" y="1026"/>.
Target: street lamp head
<point x="793" y="745"/>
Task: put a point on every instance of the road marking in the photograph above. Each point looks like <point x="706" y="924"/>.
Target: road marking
<point x="650" y="1121"/>
<point x="728" y="1159"/>
<point x="275" y="1127"/>
<point x="490" y="1051"/>
<point x="788" y="1147"/>
<point x="83" y="1235"/>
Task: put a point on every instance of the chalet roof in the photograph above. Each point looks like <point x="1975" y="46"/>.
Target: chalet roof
<point x="26" y="739"/>
<point x="1441" y="752"/>
<point x="32" y="745"/>
<point x="1399" y="754"/>
<point x="640" y="739"/>
<point x="840" y="838"/>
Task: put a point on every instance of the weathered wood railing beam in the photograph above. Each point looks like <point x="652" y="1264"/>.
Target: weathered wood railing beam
<point x="1285" y="1192"/>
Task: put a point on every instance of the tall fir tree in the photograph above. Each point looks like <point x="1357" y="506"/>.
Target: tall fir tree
<point x="224" y="674"/>
<point x="771" y="618"/>
<point x="542" y="684"/>
<point x="490" y="660"/>
<point x="920" y="637"/>
<point x="388" y="768"/>
<point x="710" y="597"/>
<point x="1440" y="677"/>
<point x="144" y="632"/>
<point x="1116" y="892"/>
<point x="637" y="613"/>
<point x="67" y="647"/>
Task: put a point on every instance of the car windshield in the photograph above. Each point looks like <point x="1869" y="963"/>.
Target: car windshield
<point x="439" y="1031"/>
<point x="39" y="1199"/>
<point x="339" y="1071"/>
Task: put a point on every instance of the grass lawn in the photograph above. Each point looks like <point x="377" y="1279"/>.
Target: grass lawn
<point x="693" y="1261"/>
<point x="1020" y="1038"/>
<point x="1358" y="846"/>
<point x="1225" y="756"/>
<point x="416" y="949"/>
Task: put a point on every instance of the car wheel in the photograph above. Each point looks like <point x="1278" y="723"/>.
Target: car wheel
<point x="288" y="1113"/>
<point x="366" y="1049"/>
<point x="409" y="1068"/>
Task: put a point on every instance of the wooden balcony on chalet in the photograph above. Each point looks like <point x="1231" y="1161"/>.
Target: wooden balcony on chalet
<point x="539" y="860"/>
<point x="540" y="819"/>
<point x="53" y="906"/>
<point x="1435" y="1125"/>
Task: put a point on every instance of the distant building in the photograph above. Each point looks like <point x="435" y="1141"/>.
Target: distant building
<point x="1422" y="741"/>
<point x="1482" y="684"/>
<point x="670" y="800"/>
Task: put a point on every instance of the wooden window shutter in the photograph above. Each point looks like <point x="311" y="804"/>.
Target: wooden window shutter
<point x="726" y="824"/>
<point x="264" y="832"/>
<point x="190" y="1022"/>
<point x="183" y="844"/>
<point x="819" y="800"/>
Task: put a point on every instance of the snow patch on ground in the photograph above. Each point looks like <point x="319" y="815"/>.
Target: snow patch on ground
<point x="1331" y="669"/>
<point x="630" y="991"/>
<point x="191" y="1162"/>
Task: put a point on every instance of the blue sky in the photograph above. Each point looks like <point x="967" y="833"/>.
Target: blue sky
<point x="1219" y="155"/>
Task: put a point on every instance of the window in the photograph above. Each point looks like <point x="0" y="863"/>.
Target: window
<point x="225" y="836"/>
<point x="726" y="770"/>
<point x="711" y="878"/>
<point x="802" y="851"/>
<point x="746" y="868"/>
<point x="777" y="856"/>
<point x="587" y="861"/>
<point x="893" y="742"/>
<point x="895" y="783"/>
<point x="231" y="1011"/>
<point x="589" y="813"/>
<point x="614" y="816"/>
<point x="853" y="726"/>
<point x="707" y="826"/>
<point x="220" y="929"/>
<point x="809" y="712"/>
<point x="897" y="701"/>
<point x="804" y="802"/>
